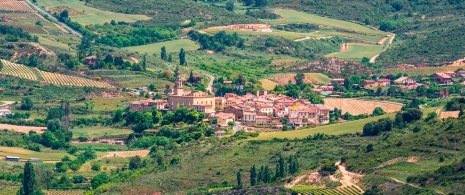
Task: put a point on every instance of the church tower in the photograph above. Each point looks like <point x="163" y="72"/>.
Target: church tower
<point x="178" y="84"/>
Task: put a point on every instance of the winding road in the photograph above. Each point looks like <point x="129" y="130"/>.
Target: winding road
<point x="51" y="17"/>
<point x="210" y="84"/>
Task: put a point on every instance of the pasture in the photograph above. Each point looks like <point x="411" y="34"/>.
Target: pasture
<point x="358" y="51"/>
<point x="171" y="46"/>
<point x="357" y="107"/>
<point x="92" y="15"/>
<point x="318" y="77"/>
<point x="43" y="40"/>
<point x="268" y="84"/>
<point x="23" y="129"/>
<point x="332" y="129"/>
<point x="53" y="155"/>
<point x="98" y="131"/>
<point x="289" y="16"/>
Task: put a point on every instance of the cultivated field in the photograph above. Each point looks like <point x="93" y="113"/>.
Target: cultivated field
<point x="30" y="28"/>
<point x="17" y="70"/>
<point x="22" y="71"/>
<point x="23" y="129"/>
<point x="98" y="131"/>
<point x="350" y="190"/>
<point x="313" y="78"/>
<point x="51" y="43"/>
<point x="449" y="114"/>
<point x="27" y="154"/>
<point x="356" y="107"/>
<point x="59" y="79"/>
<point x="420" y="70"/>
<point x="14" y="5"/>
<point x="358" y="51"/>
<point x="333" y="129"/>
<point x="64" y="192"/>
<point x="171" y="46"/>
<point x="124" y="154"/>
<point x="268" y="84"/>
<point x="91" y="15"/>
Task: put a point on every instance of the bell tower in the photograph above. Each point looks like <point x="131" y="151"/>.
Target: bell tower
<point x="178" y="84"/>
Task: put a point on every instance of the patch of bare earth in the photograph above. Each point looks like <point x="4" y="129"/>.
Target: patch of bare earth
<point x="42" y="49"/>
<point x="245" y="27"/>
<point x="124" y="154"/>
<point x="284" y="79"/>
<point x="134" y="59"/>
<point x="449" y="114"/>
<point x="61" y="28"/>
<point x="23" y="129"/>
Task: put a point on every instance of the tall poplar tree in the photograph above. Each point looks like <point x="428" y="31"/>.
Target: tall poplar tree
<point x="163" y="54"/>
<point x="253" y="176"/>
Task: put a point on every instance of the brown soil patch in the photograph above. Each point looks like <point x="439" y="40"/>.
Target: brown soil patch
<point x="61" y="28"/>
<point x="23" y="129"/>
<point x="210" y="51"/>
<point x="344" y="47"/>
<point x="42" y="49"/>
<point x="356" y="107"/>
<point x="124" y="154"/>
<point x="382" y="40"/>
<point x="245" y="27"/>
<point x="449" y="114"/>
<point x="134" y="59"/>
<point x="284" y="79"/>
<point x="7" y="19"/>
<point x="59" y="9"/>
<point x="412" y="159"/>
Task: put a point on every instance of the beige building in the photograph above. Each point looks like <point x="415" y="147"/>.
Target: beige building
<point x="143" y="105"/>
<point x="198" y="100"/>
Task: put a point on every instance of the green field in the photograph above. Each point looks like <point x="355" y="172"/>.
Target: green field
<point x="99" y="131"/>
<point x="27" y="154"/>
<point x="292" y="16"/>
<point x="268" y="84"/>
<point x="358" y="51"/>
<point x="50" y="43"/>
<point x="320" y="78"/>
<point x="333" y="129"/>
<point x="171" y="46"/>
<point x="92" y="15"/>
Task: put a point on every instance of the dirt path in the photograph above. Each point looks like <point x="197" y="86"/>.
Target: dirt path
<point x="295" y="181"/>
<point x="349" y="178"/>
<point x="373" y="59"/>
<point x="210" y="84"/>
<point x="6" y="103"/>
<point x="134" y="59"/>
<point x="412" y="185"/>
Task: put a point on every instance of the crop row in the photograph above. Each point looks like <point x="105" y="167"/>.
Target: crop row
<point x="17" y="70"/>
<point x="356" y="107"/>
<point x="65" y="192"/>
<point x="420" y="70"/>
<point x="59" y="79"/>
<point x="29" y="28"/>
<point x="350" y="190"/>
<point x="14" y="5"/>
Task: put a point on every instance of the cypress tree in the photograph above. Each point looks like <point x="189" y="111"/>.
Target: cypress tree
<point x="290" y="164"/>
<point x="163" y="55"/>
<point x="182" y="57"/>
<point x="28" y="179"/>
<point x="144" y="62"/>
<point x="239" y="180"/>
<point x="267" y="178"/>
<point x="282" y="167"/>
<point x="253" y="176"/>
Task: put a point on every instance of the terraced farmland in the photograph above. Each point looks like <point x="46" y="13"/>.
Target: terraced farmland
<point x="65" y="192"/>
<point x="29" y="28"/>
<point x="25" y="72"/>
<point x="124" y="154"/>
<point x="59" y="79"/>
<point x="356" y="107"/>
<point x="14" y="5"/>
<point x="18" y="70"/>
<point x="350" y="190"/>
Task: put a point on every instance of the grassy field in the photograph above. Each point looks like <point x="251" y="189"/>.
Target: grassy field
<point x="358" y="51"/>
<point x="292" y="16"/>
<point x="50" y="43"/>
<point x="320" y="78"/>
<point x="27" y="154"/>
<point x="99" y="131"/>
<point x="171" y="46"/>
<point x="268" y="84"/>
<point x="334" y="129"/>
<point x="92" y="15"/>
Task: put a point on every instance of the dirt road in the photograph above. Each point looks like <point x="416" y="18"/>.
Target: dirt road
<point x="210" y="84"/>
<point x="373" y="59"/>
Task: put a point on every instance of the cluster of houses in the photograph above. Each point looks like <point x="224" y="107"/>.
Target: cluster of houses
<point x="261" y="109"/>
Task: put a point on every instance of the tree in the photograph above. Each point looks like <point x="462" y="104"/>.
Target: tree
<point x="118" y="116"/>
<point x="26" y="104"/>
<point x="182" y="57"/>
<point x="96" y="167"/>
<point x="157" y="96"/>
<point x="74" y="166"/>
<point x="135" y="162"/>
<point x="253" y="176"/>
<point x="239" y="179"/>
<point x="72" y="63"/>
<point x="108" y="59"/>
<point x="348" y="83"/>
<point x="259" y="3"/>
<point x="299" y="78"/>
<point x="144" y="62"/>
<point x="54" y="125"/>
<point x="29" y="182"/>
<point x="99" y="180"/>
<point x="64" y="14"/>
<point x="191" y="78"/>
<point x="230" y="5"/>
<point x="1" y="65"/>
<point x="248" y="2"/>
<point x="163" y="54"/>
<point x="378" y="111"/>
<point x="33" y="60"/>
<point x="398" y="5"/>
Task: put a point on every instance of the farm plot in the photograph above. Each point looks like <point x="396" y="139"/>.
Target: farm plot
<point x="350" y="190"/>
<point x="65" y="192"/>
<point x="17" y="70"/>
<point x="313" y="78"/>
<point x="268" y="84"/>
<point x="449" y="114"/>
<point x="420" y="70"/>
<point x="14" y="5"/>
<point x="53" y="155"/>
<point x="28" y="28"/>
<point x="59" y="79"/>
<point x="358" y="51"/>
<point x="356" y="107"/>
<point x="23" y="129"/>
<point x="171" y="46"/>
<point x="124" y="154"/>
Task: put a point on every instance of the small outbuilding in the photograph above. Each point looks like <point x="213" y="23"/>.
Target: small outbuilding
<point x="13" y="159"/>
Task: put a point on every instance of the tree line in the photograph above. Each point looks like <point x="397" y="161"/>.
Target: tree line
<point x="217" y="42"/>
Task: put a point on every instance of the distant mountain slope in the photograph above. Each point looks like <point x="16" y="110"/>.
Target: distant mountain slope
<point x="169" y="12"/>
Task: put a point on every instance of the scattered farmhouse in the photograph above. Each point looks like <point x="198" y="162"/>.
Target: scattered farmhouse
<point x="143" y="105"/>
<point x="4" y="112"/>
<point x="442" y="78"/>
<point x="90" y="60"/>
